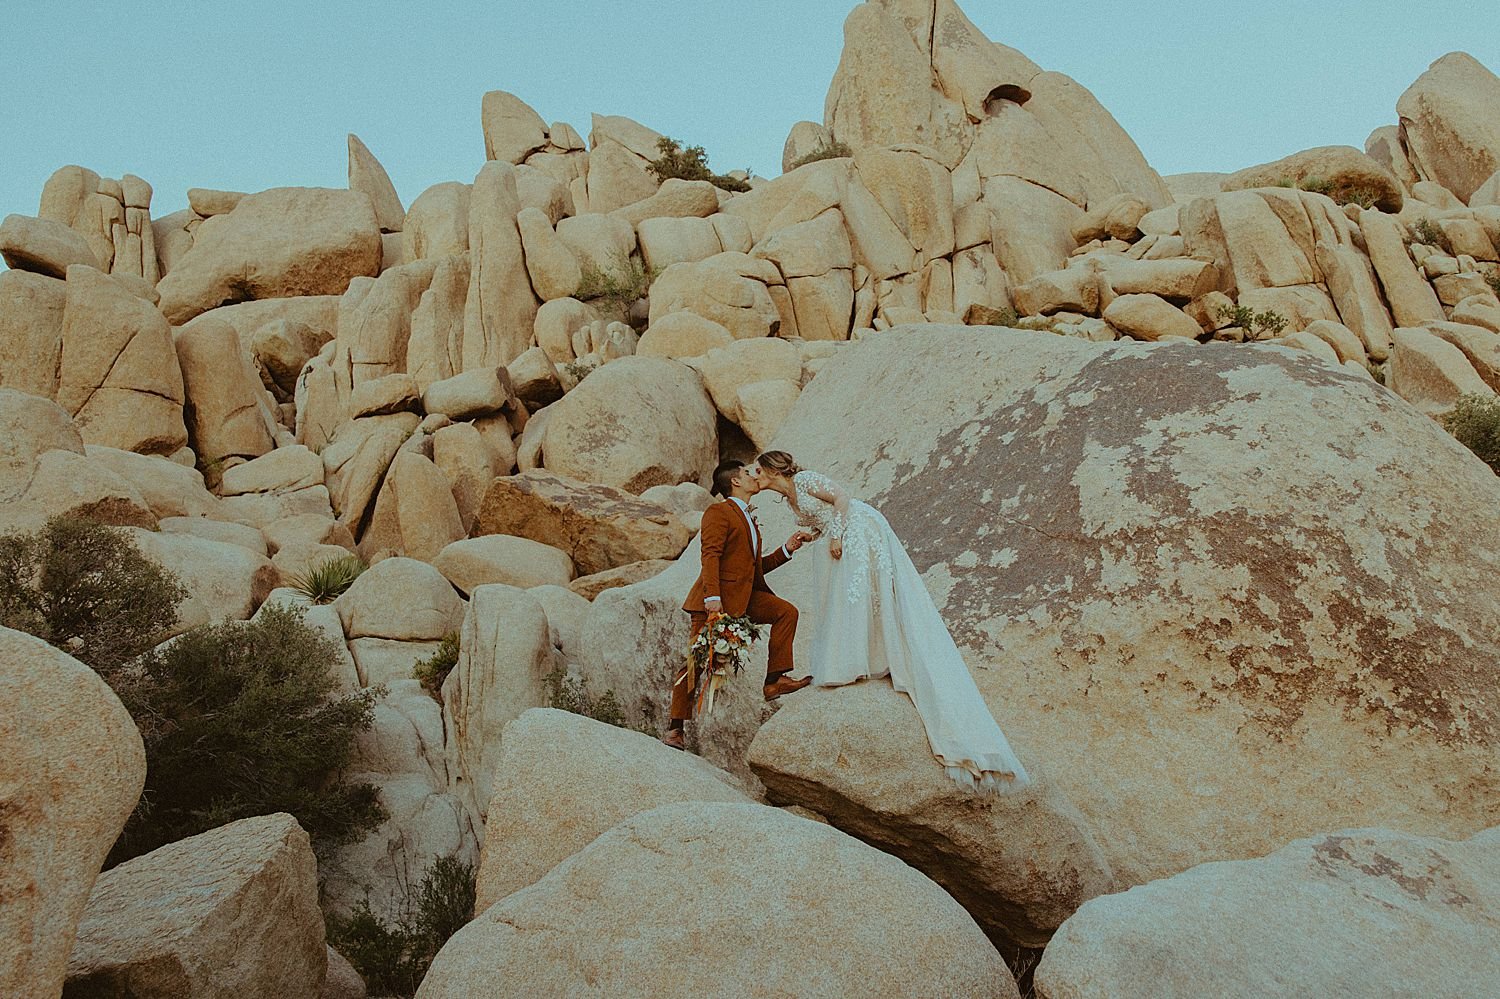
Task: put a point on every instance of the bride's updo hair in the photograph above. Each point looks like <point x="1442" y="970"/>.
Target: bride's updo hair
<point x="779" y="462"/>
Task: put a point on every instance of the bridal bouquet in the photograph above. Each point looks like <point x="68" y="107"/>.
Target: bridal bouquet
<point x="722" y="645"/>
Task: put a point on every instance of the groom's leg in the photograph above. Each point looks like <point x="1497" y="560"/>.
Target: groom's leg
<point x="767" y="608"/>
<point x="685" y="685"/>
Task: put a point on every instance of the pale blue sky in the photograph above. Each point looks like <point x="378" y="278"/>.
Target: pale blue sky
<point x="250" y="95"/>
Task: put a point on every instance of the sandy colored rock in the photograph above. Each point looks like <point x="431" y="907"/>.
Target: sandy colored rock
<point x="535" y="379"/>
<point x="368" y="177"/>
<point x="728" y="289"/>
<point x="1053" y="591"/>
<point x="617" y="178"/>
<point x="225" y="418"/>
<point x="1341" y="338"/>
<point x="233" y="911"/>
<point x="469" y="464"/>
<point x="727" y="371"/>
<point x="1031" y="226"/>
<point x="1150" y="317"/>
<point x="505" y="654"/>
<point x="635" y="423"/>
<point x="246" y="537"/>
<point x="683" y="334"/>
<point x="342" y="981"/>
<point x="356" y="459"/>
<point x="764" y="406"/>
<point x="281" y="470"/>
<point x="477" y="392"/>
<point x="676" y="198"/>
<point x="73" y="769"/>
<point x="281" y="349"/>
<point x="512" y="130"/>
<point x="1020" y="866"/>
<point x="1247" y="239"/>
<point x="668" y="241"/>
<point x="437" y="223"/>
<point x="1430" y="372"/>
<point x="1412" y="299"/>
<point x="499" y="558"/>
<point x="1349" y="171"/>
<point x="43" y="246"/>
<point x="1328" y="892"/>
<point x="1449" y="125"/>
<point x="805" y="138"/>
<point x="500" y="309"/>
<point x="62" y="481"/>
<point x="284" y="242"/>
<point x="794" y="883"/>
<point x="553" y="269"/>
<point x="434" y="350"/>
<point x="207" y="202"/>
<point x="169" y="489"/>
<point x="31" y="315"/>
<point x="589" y="587"/>
<point x="1477" y="312"/>
<point x="598" y="526"/>
<point x="224" y="581"/>
<point x="415" y="513"/>
<point x="563" y="779"/>
<point x="1351" y="282"/>
<point x="117" y="370"/>
<point x="400" y="598"/>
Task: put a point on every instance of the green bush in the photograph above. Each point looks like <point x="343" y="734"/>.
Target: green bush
<point x="327" y="581"/>
<point x="237" y="720"/>
<point x="626" y="283"/>
<point x="689" y="164"/>
<point x="570" y="693"/>
<point x="433" y="670"/>
<point x="1257" y="324"/>
<point x="1429" y="232"/>
<point x="88" y="590"/>
<point x="826" y="151"/>
<point x="1475" y="423"/>
<point x="394" y="959"/>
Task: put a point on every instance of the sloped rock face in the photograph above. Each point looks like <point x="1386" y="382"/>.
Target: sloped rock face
<point x="1450" y="124"/>
<point x="1191" y="581"/>
<point x="1340" y="901"/>
<point x="723" y="899"/>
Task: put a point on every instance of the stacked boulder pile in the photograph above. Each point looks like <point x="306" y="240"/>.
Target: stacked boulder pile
<point x="1220" y="574"/>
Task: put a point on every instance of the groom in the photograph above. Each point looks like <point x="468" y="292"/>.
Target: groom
<point x="733" y="581"/>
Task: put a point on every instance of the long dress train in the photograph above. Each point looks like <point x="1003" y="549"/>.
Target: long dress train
<point x="877" y="619"/>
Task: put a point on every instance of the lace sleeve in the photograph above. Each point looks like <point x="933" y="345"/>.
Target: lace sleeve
<point x="833" y="501"/>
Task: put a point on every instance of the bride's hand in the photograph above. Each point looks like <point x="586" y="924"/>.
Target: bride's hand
<point x="836" y="548"/>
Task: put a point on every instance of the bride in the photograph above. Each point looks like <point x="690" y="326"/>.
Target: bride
<point x="877" y="619"/>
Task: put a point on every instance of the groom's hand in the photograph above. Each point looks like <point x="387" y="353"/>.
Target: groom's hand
<point x="713" y="605"/>
<point x="797" y="541"/>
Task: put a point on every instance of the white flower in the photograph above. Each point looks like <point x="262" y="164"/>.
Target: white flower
<point x="721" y="646"/>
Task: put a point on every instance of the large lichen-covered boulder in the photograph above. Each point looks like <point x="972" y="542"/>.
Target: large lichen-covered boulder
<point x="285" y="242"/>
<point x="71" y="768"/>
<point x="722" y="899"/>
<point x="1191" y="580"/>
<point x="1345" y="171"/>
<point x="1340" y="901"/>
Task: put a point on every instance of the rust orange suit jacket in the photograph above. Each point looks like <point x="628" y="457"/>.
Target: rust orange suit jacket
<point x="732" y="568"/>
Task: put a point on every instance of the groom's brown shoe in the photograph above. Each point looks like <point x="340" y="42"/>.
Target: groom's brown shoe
<point x="675" y="739"/>
<point x="785" y="685"/>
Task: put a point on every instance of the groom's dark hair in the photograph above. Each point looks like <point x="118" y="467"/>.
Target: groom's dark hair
<point x="724" y="476"/>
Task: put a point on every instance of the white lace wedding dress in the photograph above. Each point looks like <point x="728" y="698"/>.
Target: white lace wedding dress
<point x="877" y="619"/>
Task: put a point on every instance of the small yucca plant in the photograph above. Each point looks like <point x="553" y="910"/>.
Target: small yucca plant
<point x="325" y="582"/>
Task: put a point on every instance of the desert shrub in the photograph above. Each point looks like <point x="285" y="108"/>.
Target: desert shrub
<point x="1341" y="193"/>
<point x="689" y="164"/>
<point x="1268" y="323"/>
<point x="825" y="151"/>
<point x="1475" y="423"/>
<point x="1493" y="280"/>
<point x="571" y="693"/>
<point x="88" y="590"/>
<point x="625" y="283"/>
<point x="327" y="581"/>
<point x="238" y="720"/>
<point x="433" y="670"/>
<point x="394" y="959"/>
<point x="579" y="370"/>
<point x="1429" y="232"/>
